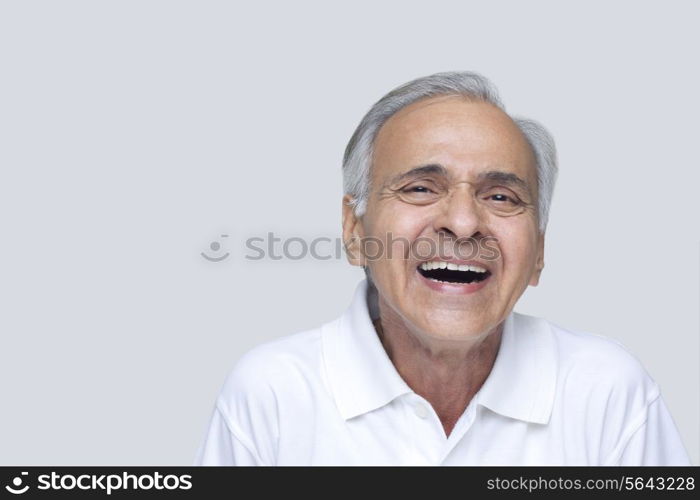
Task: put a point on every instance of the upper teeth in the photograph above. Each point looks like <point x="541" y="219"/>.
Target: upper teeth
<point x="437" y="264"/>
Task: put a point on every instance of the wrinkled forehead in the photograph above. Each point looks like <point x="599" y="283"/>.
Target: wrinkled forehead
<point x="464" y="136"/>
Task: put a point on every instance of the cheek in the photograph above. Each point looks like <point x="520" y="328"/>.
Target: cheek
<point x="518" y="244"/>
<point x="398" y="228"/>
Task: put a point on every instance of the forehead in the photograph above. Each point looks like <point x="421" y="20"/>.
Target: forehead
<point x="464" y="136"/>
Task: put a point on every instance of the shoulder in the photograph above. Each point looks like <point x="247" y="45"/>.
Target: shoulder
<point x="593" y="374"/>
<point x="608" y="404"/>
<point x="275" y="365"/>
<point x="603" y="393"/>
<point x="272" y="381"/>
<point x="590" y="360"/>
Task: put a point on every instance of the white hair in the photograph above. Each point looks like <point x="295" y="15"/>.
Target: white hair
<point x="357" y="160"/>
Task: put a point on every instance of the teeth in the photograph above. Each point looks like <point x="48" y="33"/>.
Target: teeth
<point x="437" y="264"/>
<point x="448" y="282"/>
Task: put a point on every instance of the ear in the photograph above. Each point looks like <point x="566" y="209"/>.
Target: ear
<point x="539" y="264"/>
<point x="352" y="233"/>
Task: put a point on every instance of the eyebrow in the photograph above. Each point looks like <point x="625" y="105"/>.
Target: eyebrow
<point x="432" y="168"/>
<point x="507" y="178"/>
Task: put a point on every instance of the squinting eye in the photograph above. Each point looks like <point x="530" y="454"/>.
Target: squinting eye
<point x="420" y="194"/>
<point x="416" y="189"/>
<point x="502" y="198"/>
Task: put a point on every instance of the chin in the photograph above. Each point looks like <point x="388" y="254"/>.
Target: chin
<point x="457" y="331"/>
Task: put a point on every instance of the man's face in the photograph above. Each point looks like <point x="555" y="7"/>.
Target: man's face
<point x="445" y="171"/>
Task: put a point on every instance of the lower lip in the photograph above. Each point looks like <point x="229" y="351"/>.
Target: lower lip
<point x="453" y="288"/>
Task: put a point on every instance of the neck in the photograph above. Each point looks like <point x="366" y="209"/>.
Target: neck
<point x="446" y="374"/>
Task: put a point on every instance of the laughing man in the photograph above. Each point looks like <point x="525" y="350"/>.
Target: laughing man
<point x="429" y="364"/>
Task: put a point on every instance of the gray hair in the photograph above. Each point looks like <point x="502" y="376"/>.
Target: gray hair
<point x="357" y="160"/>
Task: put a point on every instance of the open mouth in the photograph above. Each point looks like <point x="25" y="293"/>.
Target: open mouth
<point x="448" y="272"/>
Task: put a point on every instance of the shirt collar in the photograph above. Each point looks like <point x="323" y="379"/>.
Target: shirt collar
<point x="521" y="384"/>
<point x="361" y="375"/>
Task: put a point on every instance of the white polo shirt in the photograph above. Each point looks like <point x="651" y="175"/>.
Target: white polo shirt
<point x="331" y="396"/>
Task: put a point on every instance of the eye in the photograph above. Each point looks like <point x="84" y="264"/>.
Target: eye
<point x="416" y="189"/>
<point x="503" y="201"/>
<point x="423" y="193"/>
<point x="502" y="198"/>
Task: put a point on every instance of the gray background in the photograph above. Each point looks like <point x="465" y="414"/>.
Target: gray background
<point x="135" y="133"/>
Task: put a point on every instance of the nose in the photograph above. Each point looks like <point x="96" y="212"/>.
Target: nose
<point x="460" y="215"/>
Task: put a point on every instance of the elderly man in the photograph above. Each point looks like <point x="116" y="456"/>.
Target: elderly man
<point x="429" y="364"/>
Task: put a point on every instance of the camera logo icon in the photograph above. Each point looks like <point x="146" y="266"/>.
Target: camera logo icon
<point x="17" y="483"/>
